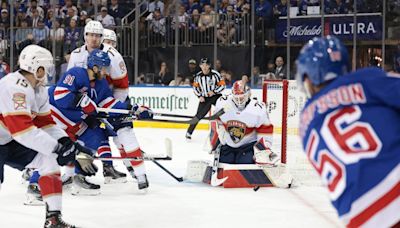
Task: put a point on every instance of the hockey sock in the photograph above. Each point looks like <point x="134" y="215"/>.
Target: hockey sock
<point x="51" y="189"/>
<point x="104" y="151"/>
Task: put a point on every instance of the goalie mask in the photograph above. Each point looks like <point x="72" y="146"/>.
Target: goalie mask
<point x="241" y="94"/>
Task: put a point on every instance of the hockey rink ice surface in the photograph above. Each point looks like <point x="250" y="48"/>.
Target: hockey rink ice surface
<point x="169" y="203"/>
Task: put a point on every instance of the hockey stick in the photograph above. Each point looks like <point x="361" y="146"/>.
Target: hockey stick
<point x="193" y="118"/>
<point x="214" y="173"/>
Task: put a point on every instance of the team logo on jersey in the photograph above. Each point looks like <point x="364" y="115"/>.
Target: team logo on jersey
<point x="236" y="130"/>
<point x="122" y="66"/>
<point x="19" y="101"/>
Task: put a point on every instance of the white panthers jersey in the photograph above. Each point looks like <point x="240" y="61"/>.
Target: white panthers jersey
<point x="240" y="127"/>
<point x="25" y="115"/>
<point x="118" y="78"/>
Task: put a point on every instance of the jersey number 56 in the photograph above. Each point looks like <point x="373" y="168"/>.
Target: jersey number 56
<point x="348" y="139"/>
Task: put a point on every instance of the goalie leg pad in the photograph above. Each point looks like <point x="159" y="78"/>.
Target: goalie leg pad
<point x="227" y="155"/>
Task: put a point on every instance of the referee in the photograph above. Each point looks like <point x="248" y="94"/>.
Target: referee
<point x="207" y="85"/>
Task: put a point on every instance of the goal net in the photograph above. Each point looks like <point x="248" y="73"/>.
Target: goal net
<point x="284" y="103"/>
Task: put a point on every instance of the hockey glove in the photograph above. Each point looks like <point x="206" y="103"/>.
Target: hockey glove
<point x="66" y="151"/>
<point x="84" y="160"/>
<point x="91" y="121"/>
<point x="88" y="105"/>
<point x="264" y="156"/>
<point x="142" y="112"/>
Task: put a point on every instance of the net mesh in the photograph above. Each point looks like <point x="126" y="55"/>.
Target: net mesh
<point x="274" y="94"/>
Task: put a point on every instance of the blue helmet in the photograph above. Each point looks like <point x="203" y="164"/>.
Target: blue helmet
<point x="98" y="58"/>
<point x="322" y="59"/>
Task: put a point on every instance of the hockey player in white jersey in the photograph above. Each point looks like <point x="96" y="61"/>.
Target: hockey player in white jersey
<point x="244" y="130"/>
<point x="110" y="38"/>
<point x="29" y="138"/>
<point x="117" y="78"/>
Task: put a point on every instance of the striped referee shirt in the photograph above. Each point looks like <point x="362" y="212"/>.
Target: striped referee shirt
<point x="205" y="83"/>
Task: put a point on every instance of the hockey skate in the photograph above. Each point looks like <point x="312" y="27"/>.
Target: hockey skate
<point x="81" y="186"/>
<point x="143" y="183"/>
<point x="26" y="174"/>
<point x="33" y="196"/>
<point x="66" y="181"/>
<point x="111" y="175"/>
<point x="54" y="220"/>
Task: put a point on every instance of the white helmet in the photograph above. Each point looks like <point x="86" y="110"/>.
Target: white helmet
<point x="33" y="57"/>
<point x="93" y="27"/>
<point x="109" y="34"/>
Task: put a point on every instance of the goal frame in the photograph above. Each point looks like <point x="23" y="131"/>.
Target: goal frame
<point x="285" y="84"/>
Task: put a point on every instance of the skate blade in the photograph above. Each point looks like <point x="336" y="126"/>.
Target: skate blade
<point x="110" y="180"/>
<point x="76" y="191"/>
<point x="143" y="191"/>
<point x="33" y="201"/>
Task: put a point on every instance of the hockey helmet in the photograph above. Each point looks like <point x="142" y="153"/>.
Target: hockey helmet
<point x="98" y="58"/>
<point x="110" y="35"/>
<point x="322" y="59"/>
<point x="33" y="57"/>
<point x="93" y="27"/>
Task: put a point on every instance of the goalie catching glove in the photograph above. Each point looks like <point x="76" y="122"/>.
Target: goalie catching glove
<point x="69" y="151"/>
<point x="264" y="156"/>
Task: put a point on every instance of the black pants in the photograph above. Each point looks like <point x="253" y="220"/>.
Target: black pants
<point x="16" y="156"/>
<point x="202" y="110"/>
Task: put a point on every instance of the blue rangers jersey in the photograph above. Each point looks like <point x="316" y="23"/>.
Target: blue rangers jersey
<point x="351" y="134"/>
<point x="64" y="102"/>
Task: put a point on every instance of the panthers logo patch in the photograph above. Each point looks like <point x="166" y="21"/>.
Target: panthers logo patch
<point x="236" y="130"/>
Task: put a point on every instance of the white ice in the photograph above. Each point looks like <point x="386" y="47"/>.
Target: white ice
<point x="172" y="204"/>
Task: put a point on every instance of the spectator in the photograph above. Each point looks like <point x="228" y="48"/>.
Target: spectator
<point x="194" y="19"/>
<point x="187" y="82"/>
<point x="23" y="36"/>
<point x="194" y="5"/>
<point x="140" y="79"/>
<point x="258" y="79"/>
<point x="5" y="18"/>
<point x="280" y="69"/>
<point x="191" y="70"/>
<point x="87" y="6"/>
<point x="40" y="33"/>
<point x="21" y="15"/>
<point x="68" y="5"/>
<point x="35" y="18"/>
<point x="82" y="18"/>
<point x="157" y="27"/>
<point x="336" y="7"/>
<point x="58" y="32"/>
<point x="49" y="19"/>
<point x="223" y="6"/>
<point x="156" y="4"/>
<point x="245" y="79"/>
<point x="207" y="20"/>
<point x="218" y="65"/>
<point x="302" y="5"/>
<point x="4" y="67"/>
<point x="35" y="7"/>
<point x="183" y="20"/>
<point x="227" y="76"/>
<point x="227" y="29"/>
<point x="116" y="11"/>
<point x="19" y="7"/>
<point x="238" y="6"/>
<point x="105" y="19"/>
<point x="72" y="37"/>
<point x="280" y="9"/>
<point x="164" y="76"/>
<point x="69" y="16"/>
<point x="263" y="9"/>
<point x="178" y="81"/>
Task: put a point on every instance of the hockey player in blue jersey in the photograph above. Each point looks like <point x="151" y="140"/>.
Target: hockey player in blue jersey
<point x="350" y="132"/>
<point x="74" y="102"/>
<point x="82" y="90"/>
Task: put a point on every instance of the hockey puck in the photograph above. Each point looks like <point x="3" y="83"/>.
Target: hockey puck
<point x="256" y="188"/>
